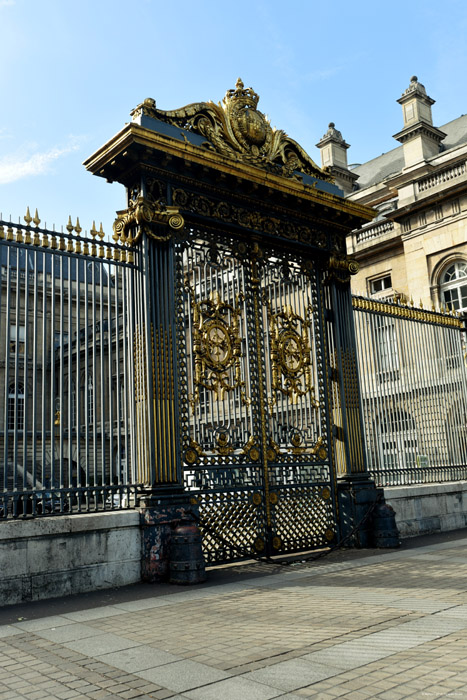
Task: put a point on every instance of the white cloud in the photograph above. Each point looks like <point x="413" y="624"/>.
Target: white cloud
<point x="17" y="166"/>
<point x="7" y="3"/>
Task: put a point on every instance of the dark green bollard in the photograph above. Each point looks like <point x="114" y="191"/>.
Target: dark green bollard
<point x="187" y="564"/>
<point x="385" y="532"/>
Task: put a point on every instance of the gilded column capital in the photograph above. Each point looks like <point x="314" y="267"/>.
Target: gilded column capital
<point x="140" y="218"/>
<point x="342" y="267"/>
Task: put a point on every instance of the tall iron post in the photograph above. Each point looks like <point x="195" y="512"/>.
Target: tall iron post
<point x="163" y="500"/>
<point x="356" y="491"/>
<point x="244" y="363"/>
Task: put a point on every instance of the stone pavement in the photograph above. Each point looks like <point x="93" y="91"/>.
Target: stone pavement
<point x="368" y="624"/>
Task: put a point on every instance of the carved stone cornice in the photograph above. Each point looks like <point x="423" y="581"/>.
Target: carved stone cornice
<point x="236" y="129"/>
<point x="140" y="218"/>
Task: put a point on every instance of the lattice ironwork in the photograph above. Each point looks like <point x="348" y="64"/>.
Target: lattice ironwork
<point x="233" y="524"/>
<point x="295" y="507"/>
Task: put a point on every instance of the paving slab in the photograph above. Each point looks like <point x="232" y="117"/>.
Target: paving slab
<point x="100" y="644"/>
<point x="183" y="675"/>
<point x="42" y="623"/>
<point x="234" y="689"/>
<point x="9" y="631"/>
<point x="93" y="613"/>
<point x="294" y="674"/>
<point x="138" y="658"/>
<point x="69" y="632"/>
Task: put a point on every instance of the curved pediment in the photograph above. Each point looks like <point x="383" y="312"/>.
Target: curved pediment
<point x="235" y="128"/>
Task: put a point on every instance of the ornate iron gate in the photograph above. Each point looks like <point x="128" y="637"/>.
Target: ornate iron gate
<point x="254" y="422"/>
<point x="236" y="232"/>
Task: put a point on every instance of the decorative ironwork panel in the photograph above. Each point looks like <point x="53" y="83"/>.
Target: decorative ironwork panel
<point x="221" y="426"/>
<point x="253" y="425"/>
<point x="297" y="450"/>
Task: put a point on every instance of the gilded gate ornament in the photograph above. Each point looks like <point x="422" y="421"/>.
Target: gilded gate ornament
<point x="291" y="360"/>
<point x="237" y="129"/>
<point x="140" y="215"/>
<point x="217" y="346"/>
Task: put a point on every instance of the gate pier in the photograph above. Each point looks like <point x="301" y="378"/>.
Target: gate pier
<point x="246" y="397"/>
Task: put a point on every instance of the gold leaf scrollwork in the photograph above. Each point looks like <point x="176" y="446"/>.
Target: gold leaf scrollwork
<point x="259" y="544"/>
<point x="223" y="446"/>
<point x="291" y="357"/>
<point x="248" y="219"/>
<point x="217" y="347"/>
<point x="193" y="453"/>
<point x="251" y="449"/>
<point x="139" y="218"/>
<point x="236" y="129"/>
<point x="342" y="267"/>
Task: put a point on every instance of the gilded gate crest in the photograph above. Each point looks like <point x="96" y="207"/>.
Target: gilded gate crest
<point x="217" y="346"/>
<point x="237" y="129"/>
<point x="291" y="357"/>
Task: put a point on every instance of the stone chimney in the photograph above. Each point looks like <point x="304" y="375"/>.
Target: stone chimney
<point x="333" y="150"/>
<point x="420" y="139"/>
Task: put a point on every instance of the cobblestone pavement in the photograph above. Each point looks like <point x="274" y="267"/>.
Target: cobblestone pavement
<point x="391" y="625"/>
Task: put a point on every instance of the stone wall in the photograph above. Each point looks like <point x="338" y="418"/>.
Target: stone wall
<point x="57" y="556"/>
<point x="428" y="508"/>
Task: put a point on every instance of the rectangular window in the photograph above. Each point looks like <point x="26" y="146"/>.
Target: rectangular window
<point x="16" y="407"/>
<point x="387" y="356"/>
<point x="380" y="284"/>
<point x="17" y="340"/>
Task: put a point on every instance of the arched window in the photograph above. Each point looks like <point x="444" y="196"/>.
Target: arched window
<point x="453" y="286"/>
<point x="16" y="407"/>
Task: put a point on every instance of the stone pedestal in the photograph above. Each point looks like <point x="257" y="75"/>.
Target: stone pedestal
<point x="158" y="519"/>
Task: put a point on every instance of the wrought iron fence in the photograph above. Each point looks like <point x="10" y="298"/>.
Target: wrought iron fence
<point x="413" y="379"/>
<point x="69" y="361"/>
<point x="65" y="363"/>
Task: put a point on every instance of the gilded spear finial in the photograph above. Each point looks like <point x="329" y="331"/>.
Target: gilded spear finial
<point x="70" y="228"/>
<point x="36" y="221"/>
<point x="93" y="233"/>
<point x="19" y="233"/>
<point x="78" y="230"/>
<point x="28" y="217"/>
<point x="101" y="235"/>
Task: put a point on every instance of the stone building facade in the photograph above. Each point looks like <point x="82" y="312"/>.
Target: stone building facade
<point x="416" y="247"/>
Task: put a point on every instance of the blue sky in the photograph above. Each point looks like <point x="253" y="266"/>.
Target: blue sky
<point x="71" y="71"/>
